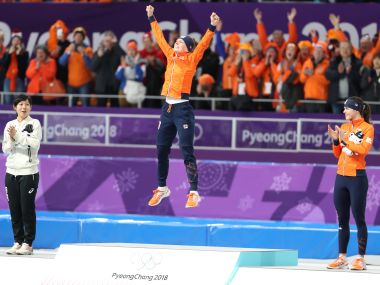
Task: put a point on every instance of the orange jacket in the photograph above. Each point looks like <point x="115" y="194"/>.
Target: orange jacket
<point x="230" y="74"/>
<point x="78" y="73"/>
<point x="251" y="84"/>
<point x="37" y="77"/>
<point x="266" y="74"/>
<point x="263" y="38"/>
<point x="368" y="57"/>
<point x="354" y="159"/>
<point x="181" y="67"/>
<point x="316" y="85"/>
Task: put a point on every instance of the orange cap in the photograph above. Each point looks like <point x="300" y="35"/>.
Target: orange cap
<point x="132" y="45"/>
<point x="206" y="79"/>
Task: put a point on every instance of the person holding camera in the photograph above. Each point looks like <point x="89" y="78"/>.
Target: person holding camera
<point x="78" y="58"/>
<point x="22" y="138"/>
<point x="15" y="63"/>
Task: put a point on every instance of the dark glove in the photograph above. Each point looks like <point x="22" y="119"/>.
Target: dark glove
<point x="28" y="128"/>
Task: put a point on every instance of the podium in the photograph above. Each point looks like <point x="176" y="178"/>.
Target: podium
<point x="158" y="264"/>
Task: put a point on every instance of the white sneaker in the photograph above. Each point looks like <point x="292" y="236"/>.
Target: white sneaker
<point x="16" y="246"/>
<point x="25" y="249"/>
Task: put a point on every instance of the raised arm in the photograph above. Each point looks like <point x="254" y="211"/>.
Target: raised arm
<point x="206" y="39"/>
<point x="292" y="26"/>
<point x="263" y="38"/>
<point x="159" y="36"/>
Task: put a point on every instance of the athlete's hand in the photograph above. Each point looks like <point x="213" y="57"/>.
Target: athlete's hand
<point x="340" y="133"/>
<point x="12" y="132"/>
<point x="149" y="10"/>
<point x="332" y="133"/>
<point x="214" y="19"/>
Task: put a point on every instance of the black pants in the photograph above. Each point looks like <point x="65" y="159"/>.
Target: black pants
<point x="177" y="118"/>
<point x="351" y="191"/>
<point x="21" y="193"/>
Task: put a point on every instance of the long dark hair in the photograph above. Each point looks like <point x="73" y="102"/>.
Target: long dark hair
<point x="365" y="112"/>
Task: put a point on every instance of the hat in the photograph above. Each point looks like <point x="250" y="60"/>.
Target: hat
<point x="206" y="79"/>
<point x="305" y="44"/>
<point x="233" y="39"/>
<point x="16" y="33"/>
<point x="189" y="42"/>
<point x="271" y="45"/>
<point x="80" y="30"/>
<point x="246" y="46"/>
<point x="147" y="35"/>
<point x="132" y="45"/>
<point x="336" y="34"/>
<point x="352" y="104"/>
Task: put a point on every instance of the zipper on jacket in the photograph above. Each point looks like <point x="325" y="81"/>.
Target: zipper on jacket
<point x="171" y="76"/>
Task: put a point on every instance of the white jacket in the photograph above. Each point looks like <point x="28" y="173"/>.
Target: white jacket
<point x="20" y="160"/>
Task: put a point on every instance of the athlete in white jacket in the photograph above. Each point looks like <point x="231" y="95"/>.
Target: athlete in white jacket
<point x="21" y="143"/>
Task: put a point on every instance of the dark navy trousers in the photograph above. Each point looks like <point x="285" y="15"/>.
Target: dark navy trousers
<point x="177" y="118"/>
<point x="351" y="192"/>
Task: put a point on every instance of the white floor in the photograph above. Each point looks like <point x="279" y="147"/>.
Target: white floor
<point x="33" y="270"/>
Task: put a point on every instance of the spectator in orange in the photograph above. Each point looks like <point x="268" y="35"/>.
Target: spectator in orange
<point x="367" y="50"/>
<point x="229" y="53"/>
<point x="42" y="69"/>
<point x="305" y="49"/>
<point x="15" y="63"/>
<point x="277" y="35"/>
<point x="313" y="76"/>
<point x="265" y="72"/>
<point x="205" y="89"/>
<point x="77" y="57"/>
<point x="289" y="87"/>
<point x="57" y="43"/>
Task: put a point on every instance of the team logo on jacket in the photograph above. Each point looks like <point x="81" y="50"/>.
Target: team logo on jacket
<point x="185" y="126"/>
<point x="357" y="137"/>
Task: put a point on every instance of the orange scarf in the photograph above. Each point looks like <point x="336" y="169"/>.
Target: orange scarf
<point x="13" y="72"/>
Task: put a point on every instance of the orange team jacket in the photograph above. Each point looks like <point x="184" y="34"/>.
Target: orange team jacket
<point x="230" y="76"/>
<point x="358" y="139"/>
<point x="368" y="57"/>
<point x="263" y="38"/>
<point x="46" y="72"/>
<point x="181" y="67"/>
<point x="78" y="73"/>
<point x="265" y="73"/>
<point x="251" y="84"/>
<point x="316" y="85"/>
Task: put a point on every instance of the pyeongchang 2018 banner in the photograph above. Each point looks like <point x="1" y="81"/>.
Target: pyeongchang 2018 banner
<point x="128" y="20"/>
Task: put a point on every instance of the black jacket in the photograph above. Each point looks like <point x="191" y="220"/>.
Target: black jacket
<point x="22" y="62"/>
<point x="105" y="68"/>
<point x="353" y="77"/>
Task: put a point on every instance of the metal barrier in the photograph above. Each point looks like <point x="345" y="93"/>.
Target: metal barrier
<point x="213" y="100"/>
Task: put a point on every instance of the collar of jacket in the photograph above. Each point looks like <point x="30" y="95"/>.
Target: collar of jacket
<point x="357" y="122"/>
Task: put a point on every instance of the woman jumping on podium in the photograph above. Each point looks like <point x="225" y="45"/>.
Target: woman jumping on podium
<point x="177" y="113"/>
<point x="351" y="143"/>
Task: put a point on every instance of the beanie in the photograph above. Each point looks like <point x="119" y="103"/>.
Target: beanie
<point x="189" y="42"/>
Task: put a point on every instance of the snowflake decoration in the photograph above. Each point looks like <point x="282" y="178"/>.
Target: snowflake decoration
<point x="281" y="182"/>
<point x="246" y="203"/>
<point x="182" y="187"/>
<point x="304" y="206"/>
<point x="126" y="181"/>
<point x="373" y="196"/>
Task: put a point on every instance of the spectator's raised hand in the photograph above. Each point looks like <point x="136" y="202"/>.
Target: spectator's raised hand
<point x="149" y="10"/>
<point x="335" y="20"/>
<point x="219" y="26"/>
<point x="214" y="19"/>
<point x="258" y="15"/>
<point x="292" y="14"/>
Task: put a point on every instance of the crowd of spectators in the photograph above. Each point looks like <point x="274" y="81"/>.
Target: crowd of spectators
<point x="282" y="72"/>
